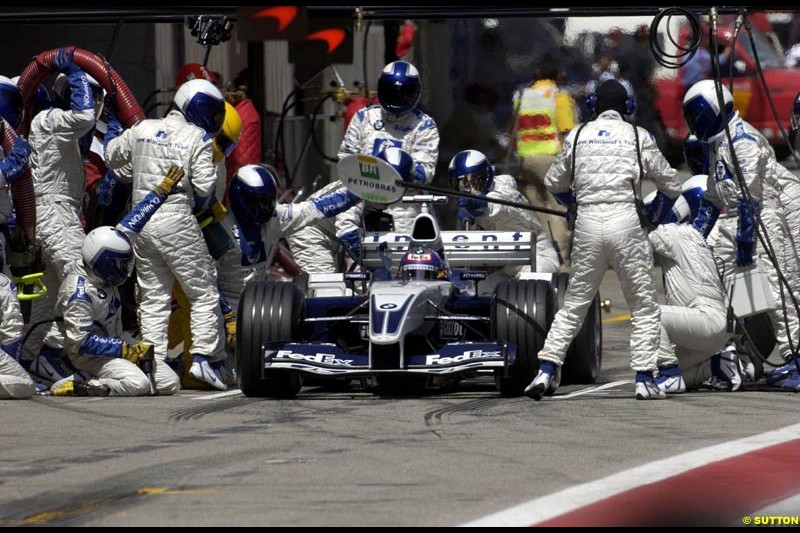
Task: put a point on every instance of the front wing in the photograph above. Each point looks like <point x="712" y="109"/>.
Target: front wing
<point x="325" y="359"/>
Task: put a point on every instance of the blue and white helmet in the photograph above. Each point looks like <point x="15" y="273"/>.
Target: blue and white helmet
<point x="399" y="87"/>
<point x="704" y="116"/>
<point x="471" y="171"/>
<point x="252" y="194"/>
<point x="692" y="191"/>
<point x="108" y="254"/>
<point x="202" y="104"/>
<point x="10" y="102"/>
<point x="400" y="160"/>
<point x="422" y="264"/>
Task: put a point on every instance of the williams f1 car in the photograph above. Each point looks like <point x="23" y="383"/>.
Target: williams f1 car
<point x="384" y="329"/>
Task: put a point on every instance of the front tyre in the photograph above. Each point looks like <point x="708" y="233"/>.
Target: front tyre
<point x="270" y="313"/>
<point x="521" y="314"/>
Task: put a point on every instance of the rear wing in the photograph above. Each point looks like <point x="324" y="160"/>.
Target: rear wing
<point x="461" y="248"/>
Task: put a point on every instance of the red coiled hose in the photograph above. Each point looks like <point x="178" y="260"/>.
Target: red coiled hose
<point x="128" y="109"/>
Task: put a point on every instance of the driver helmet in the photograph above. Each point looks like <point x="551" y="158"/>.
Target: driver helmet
<point x="422" y="264"/>
<point x="471" y="171"/>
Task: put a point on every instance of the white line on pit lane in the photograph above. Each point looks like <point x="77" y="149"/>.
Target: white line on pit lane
<point x="225" y="394"/>
<point x="572" y="498"/>
<point x="591" y="390"/>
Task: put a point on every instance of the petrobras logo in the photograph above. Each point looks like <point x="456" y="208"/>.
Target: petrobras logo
<point x="368" y="168"/>
<point x="319" y="358"/>
<point x="436" y="359"/>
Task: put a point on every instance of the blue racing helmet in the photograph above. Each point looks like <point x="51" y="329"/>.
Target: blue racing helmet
<point x="695" y="152"/>
<point x="202" y="104"/>
<point x="10" y="102"/>
<point x="400" y="160"/>
<point x="471" y="171"/>
<point x="399" y="87"/>
<point x="704" y="116"/>
<point x="252" y="194"/>
<point x="422" y="264"/>
<point x="108" y="254"/>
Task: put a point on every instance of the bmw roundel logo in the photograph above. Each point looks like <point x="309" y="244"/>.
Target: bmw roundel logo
<point x="378" y="125"/>
<point x="388" y="306"/>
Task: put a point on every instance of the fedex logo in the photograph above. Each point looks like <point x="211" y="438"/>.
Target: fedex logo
<point x="321" y="358"/>
<point x="436" y="359"/>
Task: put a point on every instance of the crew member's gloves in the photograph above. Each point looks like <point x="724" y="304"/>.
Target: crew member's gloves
<point x="62" y="62"/>
<point x="351" y="241"/>
<point x="474" y="206"/>
<point x="173" y="176"/>
<point x="105" y="189"/>
<point x="16" y="162"/>
<point x="660" y="209"/>
<point x="113" y="130"/>
<point x="463" y="218"/>
<point x="745" y="234"/>
<point x="135" y="352"/>
<point x="230" y="330"/>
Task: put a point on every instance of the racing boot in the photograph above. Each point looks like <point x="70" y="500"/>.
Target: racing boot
<point x="77" y="385"/>
<point x="202" y="370"/>
<point x="546" y="381"/>
<point x="670" y="380"/>
<point x="726" y="373"/>
<point x="646" y="388"/>
<point x="225" y="370"/>
<point x="49" y="366"/>
<point x="784" y="377"/>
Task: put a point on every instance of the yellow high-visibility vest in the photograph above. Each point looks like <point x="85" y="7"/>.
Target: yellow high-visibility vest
<point x="537" y="133"/>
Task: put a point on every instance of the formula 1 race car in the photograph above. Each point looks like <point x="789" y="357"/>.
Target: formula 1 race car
<point x="390" y="331"/>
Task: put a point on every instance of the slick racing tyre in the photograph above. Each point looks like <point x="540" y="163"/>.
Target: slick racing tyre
<point x="269" y="313"/>
<point x="584" y="356"/>
<point x="521" y="313"/>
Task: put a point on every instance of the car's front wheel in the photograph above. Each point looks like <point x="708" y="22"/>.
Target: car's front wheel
<point x="521" y="314"/>
<point x="270" y="313"/>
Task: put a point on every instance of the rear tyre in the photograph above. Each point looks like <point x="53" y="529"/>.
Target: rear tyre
<point x="269" y="313"/>
<point x="521" y="314"/>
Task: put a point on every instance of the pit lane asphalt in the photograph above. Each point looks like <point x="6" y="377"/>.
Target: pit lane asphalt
<point x="349" y="458"/>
